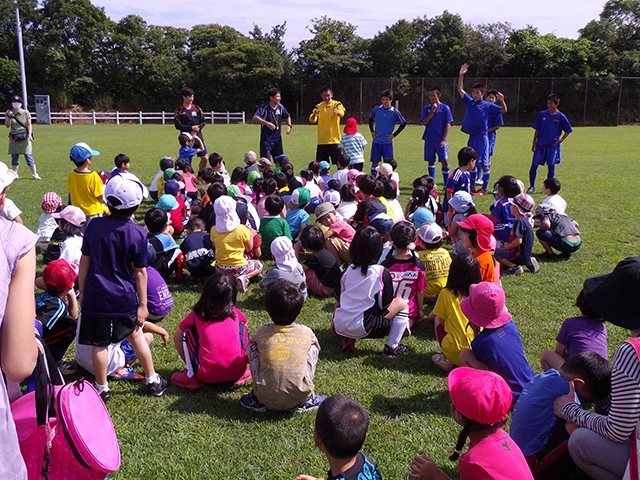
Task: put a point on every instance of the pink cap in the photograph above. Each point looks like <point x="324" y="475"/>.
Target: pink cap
<point x="485" y="306"/>
<point x="50" y="202"/>
<point x="483" y="226"/>
<point x="71" y="214"/>
<point x="479" y="395"/>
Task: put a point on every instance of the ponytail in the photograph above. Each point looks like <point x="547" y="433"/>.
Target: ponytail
<point x="469" y="427"/>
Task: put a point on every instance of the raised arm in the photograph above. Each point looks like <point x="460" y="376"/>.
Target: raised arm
<point x="463" y="70"/>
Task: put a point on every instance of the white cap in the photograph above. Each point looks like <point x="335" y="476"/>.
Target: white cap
<point x="127" y="188"/>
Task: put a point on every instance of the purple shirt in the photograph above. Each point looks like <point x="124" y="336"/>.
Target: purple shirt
<point x="116" y="246"/>
<point x="581" y="334"/>
<point x="159" y="299"/>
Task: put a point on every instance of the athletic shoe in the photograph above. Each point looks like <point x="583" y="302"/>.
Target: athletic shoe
<point x="182" y="279"/>
<point x="251" y="402"/>
<point x="531" y="190"/>
<point x="348" y="345"/>
<point x="533" y="265"/>
<point x="443" y="362"/>
<point x="67" y="368"/>
<point x="479" y="181"/>
<point x="517" y="270"/>
<point x="126" y="373"/>
<point x="242" y="282"/>
<point x="106" y="396"/>
<point x="310" y="403"/>
<point x="158" y="387"/>
<point x="389" y="352"/>
<point x="477" y="193"/>
<point x="181" y="380"/>
<point x="35" y="176"/>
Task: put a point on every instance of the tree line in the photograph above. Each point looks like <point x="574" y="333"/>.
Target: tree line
<point x="79" y="56"/>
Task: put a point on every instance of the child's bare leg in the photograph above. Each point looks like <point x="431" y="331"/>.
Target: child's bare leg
<point x="546" y="247"/>
<point x="141" y="349"/>
<point x="468" y="359"/>
<point x="551" y="359"/>
<point x="100" y="359"/>
<point x="149" y="338"/>
<point x="177" y="341"/>
<point x="507" y="263"/>
<point x="203" y="162"/>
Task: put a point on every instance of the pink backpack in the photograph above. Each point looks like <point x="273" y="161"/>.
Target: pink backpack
<point x="65" y="431"/>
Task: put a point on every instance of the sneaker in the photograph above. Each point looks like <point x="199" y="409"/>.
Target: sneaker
<point x="389" y="352"/>
<point x="158" y="387"/>
<point x="443" y="362"/>
<point x="35" y="176"/>
<point x="251" y="402"/>
<point x="531" y="190"/>
<point x="106" y="396"/>
<point x="182" y="279"/>
<point x="517" y="270"/>
<point x="310" y="403"/>
<point x="126" y="373"/>
<point x="477" y="193"/>
<point x="67" y="368"/>
<point x="180" y="379"/>
<point x="533" y="265"/>
<point x="479" y="181"/>
<point x="242" y="283"/>
<point x="348" y="345"/>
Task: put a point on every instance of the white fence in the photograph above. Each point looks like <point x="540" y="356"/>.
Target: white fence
<point x="136" y="117"/>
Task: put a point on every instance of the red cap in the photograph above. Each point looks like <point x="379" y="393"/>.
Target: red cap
<point x="351" y="126"/>
<point x="479" y="395"/>
<point x="483" y="226"/>
<point x="59" y="275"/>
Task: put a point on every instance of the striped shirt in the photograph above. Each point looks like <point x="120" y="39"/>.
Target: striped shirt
<point x="354" y="147"/>
<point x="624" y="412"/>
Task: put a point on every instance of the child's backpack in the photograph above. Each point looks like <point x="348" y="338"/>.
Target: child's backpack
<point x="65" y="431"/>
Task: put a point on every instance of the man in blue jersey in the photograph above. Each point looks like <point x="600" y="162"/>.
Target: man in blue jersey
<point x="476" y="125"/>
<point x="269" y="115"/>
<point x="437" y="120"/>
<point x="382" y="121"/>
<point x="546" y="139"/>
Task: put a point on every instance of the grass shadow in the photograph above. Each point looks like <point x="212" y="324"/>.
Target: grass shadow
<point x="436" y="402"/>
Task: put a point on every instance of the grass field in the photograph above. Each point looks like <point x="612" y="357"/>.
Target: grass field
<point x="209" y="435"/>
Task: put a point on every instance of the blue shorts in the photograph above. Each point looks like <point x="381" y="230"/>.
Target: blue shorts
<point x="549" y="155"/>
<point x="431" y="149"/>
<point x="381" y="151"/>
<point x="480" y="143"/>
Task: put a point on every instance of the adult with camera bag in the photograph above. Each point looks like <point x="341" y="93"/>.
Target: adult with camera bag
<point x="18" y="121"/>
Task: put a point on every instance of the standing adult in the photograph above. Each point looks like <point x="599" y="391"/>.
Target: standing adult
<point x="601" y="445"/>
<point x="189" y="118"/>
<point x="437" y="120"/>
<point x="327" y="115"/>
<point x="18" y="121"/>
<point x="269" y="115"/>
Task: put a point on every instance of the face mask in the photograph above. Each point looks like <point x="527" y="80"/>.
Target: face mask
<point x="16" y="105"/>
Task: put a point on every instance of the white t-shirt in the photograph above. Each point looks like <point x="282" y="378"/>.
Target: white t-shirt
<point x="10" y="210"/>
<point x="46" y="226"/>
<point x="314" y="189"/>
<point x="342" y="176"/>
<point x="558" y="203"/>
<point x="71" y="251"/>
<point x="396" y="209"/>
<point x="347" y="209"/>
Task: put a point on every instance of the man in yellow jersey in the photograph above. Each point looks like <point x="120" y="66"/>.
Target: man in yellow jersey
<point x="327" y="115"/>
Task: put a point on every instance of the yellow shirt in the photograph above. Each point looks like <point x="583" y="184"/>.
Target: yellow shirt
<point x="86" y="189"/>
<point x="229" y="246"/>
<point x="328" y="122"/>
<point x="459" y="334"/>
<point x="436" y="270"/>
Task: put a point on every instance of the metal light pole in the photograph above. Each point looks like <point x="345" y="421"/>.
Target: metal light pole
<point x="23" y="75"/>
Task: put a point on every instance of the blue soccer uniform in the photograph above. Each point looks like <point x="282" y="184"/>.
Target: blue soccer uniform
<point x="434" y="133"/>
<point x="548" y="129"/>
<point x="383" y="121"/>
<point x="271" y="140"/>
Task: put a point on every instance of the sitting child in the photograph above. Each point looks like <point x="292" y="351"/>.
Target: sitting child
<point x="367" y="306"/>
<point x="407" y="271"/>
<point x="180" y="215"/>
<point x="577" y="334"/>
<point x="198" y="250"/>
<point x="348" y="202"/>
<point x="557" y="231"/>
<point x="517" y="251"/>
<point x="461" y="206"/>
<point x="476" y="232"/>
<point x="420" y="211"/>
<point x="541" y="435"/>
<point x="481" y="403"/>
<point x="189" y="180"/>
<point x="436" y="261"/>
<point x="231" y="239"/>
<point x="274" y="224"/>
<point x="340" y="431"/>
<point x="338" y="234"/>
<point x="498" y="347"/>
<point x="320" y="266"/>
<point x="506" y="188"/>
<point x="372" y="211"/>
<point x="551" y="187"/>
<point x="71" y="221"/>
<point x="57" y="307"/>
<point x="451" y="326"/>
<point x="286" y="267"/>
<point x="211" y="340"/>
<point x="283" y="356"/>
<point x="51" y="201"/>
<point x="165" y="255"/>
<point x="297" y="217"/>
<point x="165" y="164"/>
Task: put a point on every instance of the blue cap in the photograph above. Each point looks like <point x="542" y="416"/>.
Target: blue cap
<point x="324" y="165"/>
<point x="167" y="203"/>
<point x="81" y="151"/>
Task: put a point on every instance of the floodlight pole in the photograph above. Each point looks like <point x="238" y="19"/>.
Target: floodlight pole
<point x="23" y="75"/>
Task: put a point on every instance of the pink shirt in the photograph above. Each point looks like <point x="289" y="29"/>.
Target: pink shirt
<point x="221" y="354"/>
<point x="343" y="230"/>
<point x="262" y="212"/>
<point x="496" y="457"/>
<point x="189" y="182"/>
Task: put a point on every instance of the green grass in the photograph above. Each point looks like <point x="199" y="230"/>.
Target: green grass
<point x="208" y="434"/>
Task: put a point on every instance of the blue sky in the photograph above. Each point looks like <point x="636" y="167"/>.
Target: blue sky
<point x="561" y="17"/>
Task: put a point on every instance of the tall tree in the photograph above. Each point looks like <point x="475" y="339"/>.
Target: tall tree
<point x="392" y="52"/>
<point x="441" y="45"/>
<point x="335" y="50"/>
<point x="485" y="48"/>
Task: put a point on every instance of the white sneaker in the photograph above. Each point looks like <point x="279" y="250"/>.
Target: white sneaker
<point x="35" y="176"/>
<point x="479" y="181"/>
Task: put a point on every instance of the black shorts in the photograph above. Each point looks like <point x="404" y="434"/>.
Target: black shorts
<point x="328" y="151"/>
<point x="375" y="323"/>
<point x="103" y="331"/>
